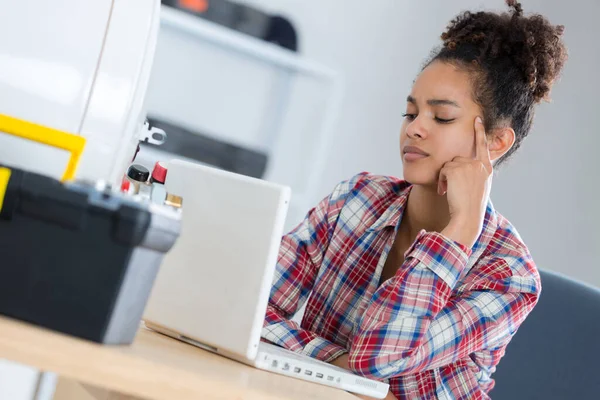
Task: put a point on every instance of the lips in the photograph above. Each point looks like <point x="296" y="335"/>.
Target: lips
<point x="413" y="153"/>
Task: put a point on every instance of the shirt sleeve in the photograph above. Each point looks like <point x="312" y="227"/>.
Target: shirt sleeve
<point x="414" y="323"/>
<point x="300" y="257"/>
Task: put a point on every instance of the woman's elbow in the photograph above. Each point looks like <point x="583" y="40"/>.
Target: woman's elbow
<point x="379" y="366"/>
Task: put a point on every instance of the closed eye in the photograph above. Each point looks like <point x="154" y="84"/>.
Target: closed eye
<point x="444" y="121"/>
<point x="412" y="117"/>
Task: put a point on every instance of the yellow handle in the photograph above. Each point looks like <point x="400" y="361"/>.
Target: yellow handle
<point x="48" y="136"/>
<point x="4" y="178"/>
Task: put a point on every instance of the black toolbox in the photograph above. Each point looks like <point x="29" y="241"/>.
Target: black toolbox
<point x="78" y="258"/>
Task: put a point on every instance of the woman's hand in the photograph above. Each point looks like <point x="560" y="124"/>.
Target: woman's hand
<point x="467" y="183"/>
<point x="341" y="361"/>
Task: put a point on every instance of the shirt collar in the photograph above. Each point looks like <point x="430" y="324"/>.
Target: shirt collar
<point x="392" y="215"/>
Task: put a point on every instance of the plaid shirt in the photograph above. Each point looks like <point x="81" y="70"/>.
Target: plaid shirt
<point x="437" y="329"/>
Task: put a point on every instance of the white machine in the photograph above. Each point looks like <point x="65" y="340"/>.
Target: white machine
<point x="213" y="288"/>
<point x="81" y="67"/>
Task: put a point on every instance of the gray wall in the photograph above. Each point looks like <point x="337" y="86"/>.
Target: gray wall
<point x="549" y="189"/>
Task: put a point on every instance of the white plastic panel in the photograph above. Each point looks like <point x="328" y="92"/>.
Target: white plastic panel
<point x="34" y="157"/>
<point x="48" y="58"/>
<point x="116" y="108"/>
<point x="49" y="52"/>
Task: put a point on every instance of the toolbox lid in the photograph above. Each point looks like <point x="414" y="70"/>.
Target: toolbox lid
<point x="70" y="206"/>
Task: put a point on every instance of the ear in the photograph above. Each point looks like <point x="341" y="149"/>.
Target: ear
<point x="500" y="142"/>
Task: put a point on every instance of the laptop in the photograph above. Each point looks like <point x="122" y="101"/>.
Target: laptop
<point x="213" y="286"/>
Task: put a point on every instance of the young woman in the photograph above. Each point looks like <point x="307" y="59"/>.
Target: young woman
<point x="421" y="282"/>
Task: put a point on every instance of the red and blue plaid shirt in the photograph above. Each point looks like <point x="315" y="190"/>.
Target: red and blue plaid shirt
<point x="437" y="329"/>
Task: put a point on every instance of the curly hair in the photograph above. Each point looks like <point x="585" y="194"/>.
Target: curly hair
<point x="513" y="60"/>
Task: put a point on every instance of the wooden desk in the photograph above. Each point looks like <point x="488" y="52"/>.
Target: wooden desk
<point x="153" y="367"/>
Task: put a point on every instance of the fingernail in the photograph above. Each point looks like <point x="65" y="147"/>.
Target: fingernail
<point x="479" y="120"/>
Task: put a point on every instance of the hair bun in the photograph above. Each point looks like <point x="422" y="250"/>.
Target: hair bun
<point x="517" y="9"/>
<point x="529" y="43"/>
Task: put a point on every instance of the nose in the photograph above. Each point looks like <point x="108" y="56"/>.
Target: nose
<point x="416" y="129"/>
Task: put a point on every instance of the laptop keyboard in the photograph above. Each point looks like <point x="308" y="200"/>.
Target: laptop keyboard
<point x="315" y="370"/>
<point x="276" y="350"/>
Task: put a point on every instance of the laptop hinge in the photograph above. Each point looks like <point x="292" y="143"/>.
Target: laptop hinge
<point x="194" y="342"/>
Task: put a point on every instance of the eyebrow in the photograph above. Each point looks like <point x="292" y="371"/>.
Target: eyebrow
<point x="435" y="102"/>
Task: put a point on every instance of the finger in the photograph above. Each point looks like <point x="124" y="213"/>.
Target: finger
<point x="441" y="188"/>
<point x="482" y="150"/>
<point x="462" y="160"/>
<point x="443" y="178"/>
<point x="450" y="165"/>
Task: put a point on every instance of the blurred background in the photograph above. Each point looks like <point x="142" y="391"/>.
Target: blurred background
<point x="310" y="93"/>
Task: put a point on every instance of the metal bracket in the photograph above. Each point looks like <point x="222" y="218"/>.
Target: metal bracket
<point x="152" y="134"/>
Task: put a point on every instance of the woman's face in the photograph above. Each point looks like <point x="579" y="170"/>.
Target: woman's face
<point x="439" y="123"/>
